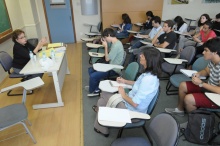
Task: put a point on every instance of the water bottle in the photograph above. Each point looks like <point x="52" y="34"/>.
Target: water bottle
<point x="31" y="56"/>
<point x="44" y="56"/>
<point x="52" y="55"/>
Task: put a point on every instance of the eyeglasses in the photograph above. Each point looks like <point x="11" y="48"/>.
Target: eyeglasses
<point x="22" y="37"/>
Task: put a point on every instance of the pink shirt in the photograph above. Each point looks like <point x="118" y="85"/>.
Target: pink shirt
<point x="210" y="35"/>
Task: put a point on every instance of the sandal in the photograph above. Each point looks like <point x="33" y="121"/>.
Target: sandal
<point x="95" y="108"/>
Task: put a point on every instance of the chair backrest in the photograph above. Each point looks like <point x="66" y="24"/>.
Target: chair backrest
<point x="124" y="58"/>
<point x="153" y="102"/>
<point x="164" y="130"/>
<point x="131" y="71"/>
<point x="6" y="61"/>
<point x="188" y="53"/>
<point x="99" y="26"/>
<point x="33" y="41"/>
<point x="200" y="64"/>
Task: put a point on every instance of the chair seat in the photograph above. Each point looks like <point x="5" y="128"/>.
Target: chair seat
<point x="131" y="141"/>
<point x="135" y="124"/>
<point x="176" y="79"/>
<point x="15" y="75"/>
<point x="169" y="68"/>
<point x="12" y="114"/>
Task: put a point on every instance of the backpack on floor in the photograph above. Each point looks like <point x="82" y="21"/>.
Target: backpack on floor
<point x="200" y="127"/>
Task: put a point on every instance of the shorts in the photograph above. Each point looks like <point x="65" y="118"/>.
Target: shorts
<point x="200" y="98"/>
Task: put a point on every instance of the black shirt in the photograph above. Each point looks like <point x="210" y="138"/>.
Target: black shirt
<point x="168" y="37"/>
<point x="148" y="25"/>
<point x="216" y="25"/>
<point x="21" y="54"/>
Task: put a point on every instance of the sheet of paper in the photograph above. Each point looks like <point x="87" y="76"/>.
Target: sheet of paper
<point x="53" y="45"/>
<point x="116" y="84"/>
<point x="114" y="115"/>
<point x="189" y="73"/>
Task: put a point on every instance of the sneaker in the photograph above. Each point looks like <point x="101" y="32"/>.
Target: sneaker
<point x="174" y="111"/>
<point x="87" y="88"/>
<point x="131" y="50"/>
<point x="92" y="94"/>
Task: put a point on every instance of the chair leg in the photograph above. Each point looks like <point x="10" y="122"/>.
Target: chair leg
<point x="9" y="93"/>
<point x="27" y="130"/>
<point x="29" y="123"/>
<point x="120" y="132"/>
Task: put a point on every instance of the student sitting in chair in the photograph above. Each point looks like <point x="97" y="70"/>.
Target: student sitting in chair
<point x="185" y="41"/>
<point x="148" y="24"/>
<point x="191" y="93"/>
<point x="21" y="51"/>
<point x="126" y="25"/>
<point x="143" y="90"/>
<point x="168" y="39"/>
<point x="115" y="56"/>
<point x="216" y="24"/>
<point x="156" y="21"/>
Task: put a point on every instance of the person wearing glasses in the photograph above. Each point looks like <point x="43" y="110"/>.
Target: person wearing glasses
<point x="21" y="51"/>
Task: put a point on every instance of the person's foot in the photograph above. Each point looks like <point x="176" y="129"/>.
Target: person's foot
<point x="87" y="88"/>
<point x="174" y="111"/>
<point x="95" y="93"/>
<point x="96" y="130"/>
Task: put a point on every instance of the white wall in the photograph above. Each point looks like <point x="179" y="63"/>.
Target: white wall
<point x="80" y="19"/>
<point x="193" y="10"/>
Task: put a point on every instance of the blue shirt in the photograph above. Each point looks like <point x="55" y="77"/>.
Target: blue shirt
<point x="154" y="31"/>
<point x="143" y="91"/>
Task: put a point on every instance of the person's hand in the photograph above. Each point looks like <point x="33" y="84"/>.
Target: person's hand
<point x="104" y="43"/>
<point x="201" y="43"/>
<point x="43" y="41"/>
<point x="161" y="30"/>
<point x="121" y="91"/>
<point x="195" y="79"/>
<point x="120" y="80"/>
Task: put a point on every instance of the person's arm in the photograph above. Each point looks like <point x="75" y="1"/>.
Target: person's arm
<point x="104" y="43"/>
<point x="126" y="97"/>
<point x="155" y="39"/>
<point x="121" y="80"/>
<point x="163" y="45"/>
<point x="196" y="38"/>
<point x="41" y="43"/>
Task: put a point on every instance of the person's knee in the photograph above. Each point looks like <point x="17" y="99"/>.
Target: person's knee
<point x="183" y="87"/>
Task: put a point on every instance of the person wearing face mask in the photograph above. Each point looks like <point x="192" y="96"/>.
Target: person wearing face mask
<point x="21" y="51"/>
<point x="113" y="54"/>
<point x="184" y="41"/>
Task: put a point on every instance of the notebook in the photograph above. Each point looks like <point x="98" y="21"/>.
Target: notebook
<point x="189" y="73"/>
<point x="116" y="84"/>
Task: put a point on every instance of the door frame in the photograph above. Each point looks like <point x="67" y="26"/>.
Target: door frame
<point x="73" y="22"/>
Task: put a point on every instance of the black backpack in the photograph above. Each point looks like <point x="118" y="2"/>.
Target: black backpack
<point x="200" y="127"/>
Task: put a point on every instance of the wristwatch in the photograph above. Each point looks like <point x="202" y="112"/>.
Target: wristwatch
<point x="201" y="84"/>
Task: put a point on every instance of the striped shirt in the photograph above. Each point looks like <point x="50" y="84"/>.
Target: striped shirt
<point x="214" y="76"/>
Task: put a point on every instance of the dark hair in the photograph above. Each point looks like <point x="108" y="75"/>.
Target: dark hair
<point x="15" y="34"/>
<point x="209" y="23"/>
<point x="126" y="19"/>
<point x="213" y="45"/>
<point x="108" y="32"/>
<point x="179" y="21"/>
<point x="156" y="19"/>
<point x="217" y="16"/>
<point x="170" y="23"/>
<point x="150" y="13"/>
<point x="153" y="60"/>
<point x="206" y="16"/>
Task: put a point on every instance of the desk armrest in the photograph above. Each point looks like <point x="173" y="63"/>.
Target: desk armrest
<point x="137" y="115"/>
<point x="27" y="85"/>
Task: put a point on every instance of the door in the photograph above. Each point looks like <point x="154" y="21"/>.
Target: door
<point x="59" y="19"/>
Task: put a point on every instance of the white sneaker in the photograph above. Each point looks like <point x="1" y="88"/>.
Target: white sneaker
<point x="174" y="111"/>
<point x="87" y="88"/>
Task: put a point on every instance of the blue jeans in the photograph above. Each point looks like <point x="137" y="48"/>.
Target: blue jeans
<point x="96" y="77"/>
